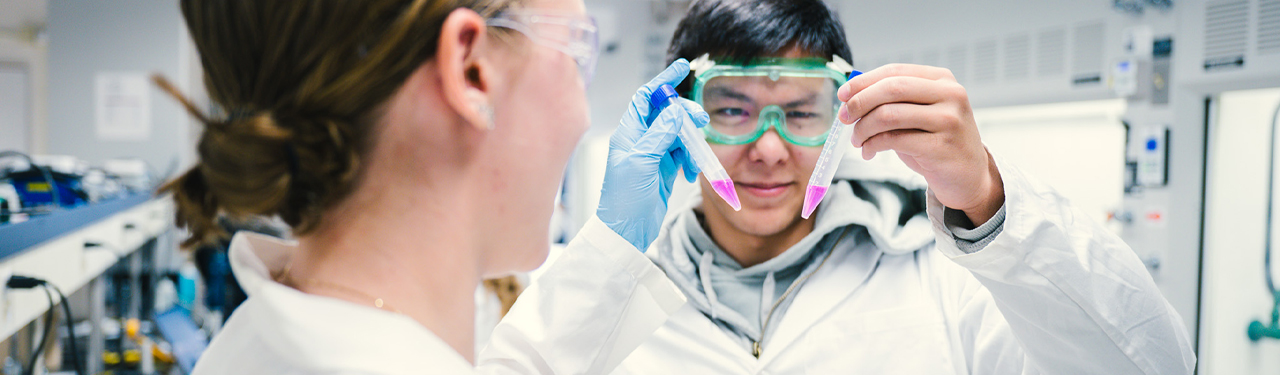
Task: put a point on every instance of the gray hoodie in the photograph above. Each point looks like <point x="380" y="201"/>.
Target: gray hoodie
<point x="876" y="206"/>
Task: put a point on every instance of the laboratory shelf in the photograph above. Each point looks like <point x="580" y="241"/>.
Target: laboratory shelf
<point x="72" y="249"/>
<point x="16" y="238"/>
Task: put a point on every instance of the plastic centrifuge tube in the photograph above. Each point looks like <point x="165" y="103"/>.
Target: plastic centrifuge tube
<point x="695" y="144"/>
<point x="828" y="161"/>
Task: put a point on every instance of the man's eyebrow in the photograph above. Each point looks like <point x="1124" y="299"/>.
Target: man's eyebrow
<point x="796" y="103"/>
<point x="730" y="93"/>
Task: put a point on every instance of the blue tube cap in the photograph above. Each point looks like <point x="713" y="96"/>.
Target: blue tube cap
<point x="854" y="73"/>
<point x="662" y="96"/>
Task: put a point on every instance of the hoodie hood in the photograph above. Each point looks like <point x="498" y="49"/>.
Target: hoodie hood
<point x="876" y="205"/>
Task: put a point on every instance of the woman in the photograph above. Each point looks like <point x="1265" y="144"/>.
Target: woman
<point x="394" y="137"/>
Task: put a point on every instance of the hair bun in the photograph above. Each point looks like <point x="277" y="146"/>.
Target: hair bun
<point x="314" y="76"/>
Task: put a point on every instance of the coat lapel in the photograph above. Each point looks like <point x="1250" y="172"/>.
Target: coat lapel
<point x="839" y="279"/>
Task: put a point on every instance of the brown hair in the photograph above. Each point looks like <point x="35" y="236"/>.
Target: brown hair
<point x="304" y="82"/>
<point x="507" y="289"/>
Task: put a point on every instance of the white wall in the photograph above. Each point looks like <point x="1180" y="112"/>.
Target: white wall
<point x="15" y="107"/>
<point x="1234" y="291"/>
<point x="1078" y="148"/>
<point x="23" y="67"/>
<point x="88" y="38"/>
<point x="31" y="55"/>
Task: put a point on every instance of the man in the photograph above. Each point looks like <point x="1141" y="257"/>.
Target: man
<point x="981" y="271"/>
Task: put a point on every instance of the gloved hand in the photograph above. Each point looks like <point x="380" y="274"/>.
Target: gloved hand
<point x="643" y="160"/>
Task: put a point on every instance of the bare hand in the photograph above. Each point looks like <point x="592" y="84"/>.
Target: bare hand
<point x="923" y="115"/>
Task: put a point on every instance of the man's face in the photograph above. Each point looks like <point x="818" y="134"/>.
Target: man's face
<point x="770" y="173"/>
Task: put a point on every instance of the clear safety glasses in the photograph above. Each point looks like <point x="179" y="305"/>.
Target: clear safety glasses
<point x="574" y="35"/>
<point x="796" y="97"/>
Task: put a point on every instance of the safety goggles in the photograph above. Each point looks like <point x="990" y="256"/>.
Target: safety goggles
<point x="574" y="35"/>
<point x="794" y="96"/>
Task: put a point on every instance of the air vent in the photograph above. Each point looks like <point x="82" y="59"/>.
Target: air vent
<point x="958" y="61"/>
<point x="1017" y="57"/>
<point x="1269" y="27"/>
<point x="1051" y="53"/>
<point x="1226" y="33"/>
<point x="1087" y="59"/>
<point x="984" y="61"/>
<point x="931" y="58"/>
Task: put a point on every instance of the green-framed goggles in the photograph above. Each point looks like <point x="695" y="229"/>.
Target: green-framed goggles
<point x="794" y="96"/>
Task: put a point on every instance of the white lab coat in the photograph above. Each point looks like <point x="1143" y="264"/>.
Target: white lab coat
<point x="1054" y="293"/>
<point x="599" y="301"/>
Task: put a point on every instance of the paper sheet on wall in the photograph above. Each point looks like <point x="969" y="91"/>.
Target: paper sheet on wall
<point x="122" y="105"/>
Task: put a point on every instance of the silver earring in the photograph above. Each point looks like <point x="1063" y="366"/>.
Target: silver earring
<point x="486" y="111"/>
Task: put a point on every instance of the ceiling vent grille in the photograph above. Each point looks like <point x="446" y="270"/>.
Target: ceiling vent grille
<point x="1051" y="53"/>
<point x="1269" y="27"/>
<point x="984" y="61"/>
<point x="1088" y="53"/>
<point x="1017" y="57"/>
<point x="1226" y="33"/>
<point x="958" y="61"/>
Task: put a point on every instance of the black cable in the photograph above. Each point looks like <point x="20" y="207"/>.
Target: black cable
<point x="44" y="336"/>
<point x="71" y="332"/>
<point x="26" y="282"/>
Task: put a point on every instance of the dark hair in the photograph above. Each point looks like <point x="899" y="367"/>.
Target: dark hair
<point x="743" y="30"/>
<point x="305" y="82"/>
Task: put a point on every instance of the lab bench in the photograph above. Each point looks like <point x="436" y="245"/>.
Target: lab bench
<point x="73" y="249"/>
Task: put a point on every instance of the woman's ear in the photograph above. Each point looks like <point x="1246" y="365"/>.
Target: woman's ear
<point x="464" y="66"/>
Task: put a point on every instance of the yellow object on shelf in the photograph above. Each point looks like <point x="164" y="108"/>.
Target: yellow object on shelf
<point x="131" y="328"/>
<point x="161" y="355"/>
<point x="111" y="358"/>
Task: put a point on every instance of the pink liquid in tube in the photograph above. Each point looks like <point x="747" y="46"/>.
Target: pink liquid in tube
<point x="726" y="191"/>
<point x="828" y="162"/>
<point x="695" y="143"/>
<point x="812" y="196"/>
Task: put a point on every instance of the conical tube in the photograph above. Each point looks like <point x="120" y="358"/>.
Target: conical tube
<point x="828" y="161"/>
<point x="695" y="145"/>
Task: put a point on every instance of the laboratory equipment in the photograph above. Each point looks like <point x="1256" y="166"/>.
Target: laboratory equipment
<point x="10" y="204"/>
<point x="1257" y="329"/>
<point x="132" y="174"/>
<point x="695" y="145"/>
<point x="838" y="141"/>
<point x="42" y="185"/>
<point x="185" y="339"/>
<point x="187" y="289"/>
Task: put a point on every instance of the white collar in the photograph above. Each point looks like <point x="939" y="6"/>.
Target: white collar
<point x="327" y="333"/>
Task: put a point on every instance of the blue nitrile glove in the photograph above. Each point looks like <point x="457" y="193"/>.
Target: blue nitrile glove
<point x="643" y="160"/>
